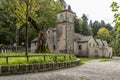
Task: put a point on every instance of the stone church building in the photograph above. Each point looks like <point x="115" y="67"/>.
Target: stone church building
<point x="63" y="39"/>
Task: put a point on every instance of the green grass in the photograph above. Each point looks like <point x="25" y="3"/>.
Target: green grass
<point x="84" y="60"/>
<point x="104" y="60"/>
<point x="87" y="59"/>
<point x="49" y="58"/>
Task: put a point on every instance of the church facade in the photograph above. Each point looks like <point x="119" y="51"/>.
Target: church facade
<point x="63" y="39"/>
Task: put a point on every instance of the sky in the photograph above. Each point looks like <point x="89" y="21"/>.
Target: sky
<point x="94" y="9"/>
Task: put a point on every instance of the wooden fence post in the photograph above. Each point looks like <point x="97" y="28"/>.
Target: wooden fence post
<point x="7" y="59"/>
<point x="44" y="58"/>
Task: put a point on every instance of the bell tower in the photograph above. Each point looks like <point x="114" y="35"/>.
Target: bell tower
<point x="65" y="31"/>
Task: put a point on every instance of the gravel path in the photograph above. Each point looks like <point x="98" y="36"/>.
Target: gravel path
<point x="92" y="70"/>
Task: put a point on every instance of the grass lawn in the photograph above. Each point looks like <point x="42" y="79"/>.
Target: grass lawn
<point x="49" y="58"/>
<point x="105" y="60"/>
<point x="84" y="60"/>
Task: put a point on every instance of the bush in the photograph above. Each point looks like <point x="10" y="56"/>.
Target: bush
<point x="49" y="58"/>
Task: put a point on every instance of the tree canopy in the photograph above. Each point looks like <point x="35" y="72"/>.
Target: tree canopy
<point x="104" y="34"/>
<point x="27" y="11"/>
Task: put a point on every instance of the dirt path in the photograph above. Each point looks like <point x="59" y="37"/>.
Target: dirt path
<point x="92" y="70"/>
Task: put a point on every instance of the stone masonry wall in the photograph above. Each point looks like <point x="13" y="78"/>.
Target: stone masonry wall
<point x="30" y="68"/>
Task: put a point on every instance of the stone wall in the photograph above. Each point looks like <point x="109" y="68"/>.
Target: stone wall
<point x="33" y="46"/>
<point x="51" y="39"/>
<point x="92" y="48"/>
<point x="65" y="31"/>
<point x="30" y="68"/>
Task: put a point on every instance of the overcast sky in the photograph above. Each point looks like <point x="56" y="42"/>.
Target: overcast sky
<point x="94" y="9"/>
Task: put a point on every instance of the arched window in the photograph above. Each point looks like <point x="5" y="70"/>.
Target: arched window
<point x="79" y="47"/>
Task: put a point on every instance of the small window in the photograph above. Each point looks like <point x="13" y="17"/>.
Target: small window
<point x="79" y="47"/>
<point x="54" y="47"/>
<point x="35" y="43"/>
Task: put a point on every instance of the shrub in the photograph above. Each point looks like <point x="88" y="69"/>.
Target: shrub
<point x="51" y="58"/>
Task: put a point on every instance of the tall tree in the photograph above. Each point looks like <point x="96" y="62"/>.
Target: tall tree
<point x="113" y="43"/>
<point x="90" y="28"/>
<point x="116" y="10"/>
<point x="95" y="27"/>
<point x="36" y="11"/>
<point x="78" y="25"/>
<point x="104" y="34"/>
<point x="7" y="27"/>
<point x="85" y="30"/>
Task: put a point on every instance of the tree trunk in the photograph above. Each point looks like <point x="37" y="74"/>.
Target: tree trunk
<point x="41" y="43"/>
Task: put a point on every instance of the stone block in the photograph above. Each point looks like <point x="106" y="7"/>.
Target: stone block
<point x="51" y="66"/>
<point x="13" y="69"/>
<point x="4" y="69"/>
<point x="22" y="69"/>
<point x="55" y="66"/>
<point x="29" y="68"/>
<point x="42" y="67"/>
<point x="36" y="67"/>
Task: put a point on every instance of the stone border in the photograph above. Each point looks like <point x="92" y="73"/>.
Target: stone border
<point x="31" y="68"/>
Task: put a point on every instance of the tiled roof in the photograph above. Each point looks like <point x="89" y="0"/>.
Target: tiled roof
<point x="77" y="36"/>
<point x="53" y="29"/>
<point x="98" y="40"/>
<point x="85" y="38"/>
<point x="81" y="38"/>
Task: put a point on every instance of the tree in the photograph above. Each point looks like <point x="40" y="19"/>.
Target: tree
<point x="78" y="25"/>
<point x="115" y="8"/>
<point x="104" y="34"/>
<point x="7" y="27"/>
<point x="36" y="13"/>
<point x="109" y="27"/>
<point x="95" y="27"/>
<point x="85" y="30"/>
<point x="90" y="28"/>
<point x="118" y="43"/>
<point x="102" y="23"/>
<point x="113" y="43"/>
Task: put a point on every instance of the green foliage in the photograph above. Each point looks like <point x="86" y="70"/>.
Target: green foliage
<point x="84" y="27"/>
<point x="115" y="9"/>
<point x="13" y="14"/>
<point x="104" y="34"/>
<point x="7" y="29"/>
<point x="49" y="58"/>
<point x="104" y="60"/>
<point x="84" y="60"/>
<point x="78" y="25"/>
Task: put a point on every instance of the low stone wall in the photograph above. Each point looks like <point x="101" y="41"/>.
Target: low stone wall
<point x="30" y="68"/>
